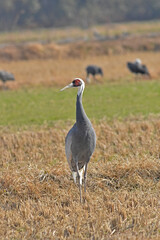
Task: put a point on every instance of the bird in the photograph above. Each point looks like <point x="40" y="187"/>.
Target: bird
<point x="80" y="141"/>
<point x="93" y="70"/>
<point x="6" y="76"/>
<point x="138" y="68"/>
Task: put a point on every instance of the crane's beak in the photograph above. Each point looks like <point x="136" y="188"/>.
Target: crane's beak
<point x="68" y="86"/>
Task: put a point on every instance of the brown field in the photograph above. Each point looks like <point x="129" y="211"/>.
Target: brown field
<point x="50" y="64"/>
<point x="38" y="199"/>
<point x="57" y="72"/>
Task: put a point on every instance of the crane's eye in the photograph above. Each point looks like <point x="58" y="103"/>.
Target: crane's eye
<point x="76" y="83"/>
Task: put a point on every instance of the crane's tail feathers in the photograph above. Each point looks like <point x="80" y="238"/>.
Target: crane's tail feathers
<point x="81" y="174"/>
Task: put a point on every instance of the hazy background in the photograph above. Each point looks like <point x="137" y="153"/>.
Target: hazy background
<point x="17" y="14"/>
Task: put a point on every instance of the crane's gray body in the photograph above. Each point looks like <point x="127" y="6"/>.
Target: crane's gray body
<point x="6" y="76"/>
<point x="81" y="139"/>
<point x="138" y="68"/>
<point x="93" y="70"/>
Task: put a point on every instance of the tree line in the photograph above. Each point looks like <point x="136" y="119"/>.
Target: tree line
<point x="17" y="14"/>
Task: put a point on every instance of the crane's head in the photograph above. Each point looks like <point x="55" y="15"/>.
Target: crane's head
<point x="77" y="82"/>
<point x="138" y="61"/>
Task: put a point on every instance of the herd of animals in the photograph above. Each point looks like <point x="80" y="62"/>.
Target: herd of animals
<point x="80" y="141"/>
<point x="135" y="67"/>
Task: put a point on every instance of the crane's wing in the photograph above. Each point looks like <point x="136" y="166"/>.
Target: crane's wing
<point x="6" y="75"/>
<point x="145" y="70"/>
<point x="132" y="67"/>
<point x="68" y="144"/>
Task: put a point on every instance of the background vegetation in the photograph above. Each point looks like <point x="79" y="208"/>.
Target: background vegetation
<point x="57" y="13"/>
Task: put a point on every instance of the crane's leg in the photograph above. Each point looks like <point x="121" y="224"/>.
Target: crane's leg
<point x="88" y="79"/>
<point x="95" y="80"/>
<point x="135" y="77"/>
<point x="79" y="184"/>
<point x="85" y="176"/>
<point x="4" y="85"/>
<point x="74" y="174"/>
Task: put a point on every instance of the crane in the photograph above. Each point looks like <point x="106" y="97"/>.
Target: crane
<point x="80" y="141"/>
<point x="138" y="68"/>
<point x="93" y="70"/>
<point x="6" y="76"/>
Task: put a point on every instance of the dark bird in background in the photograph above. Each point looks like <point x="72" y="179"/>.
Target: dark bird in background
<point x="6" y="76"/>
<point x="80" y="141"/>
<point x="137" y="67"/>
<point x="93" y="70"/>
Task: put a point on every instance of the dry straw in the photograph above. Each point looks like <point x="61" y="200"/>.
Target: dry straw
<point x="38" y="199"/>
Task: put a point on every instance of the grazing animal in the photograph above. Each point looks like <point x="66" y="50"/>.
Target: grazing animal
<point x="138" y="68"/>
<point x="6" y="76"/>
<point x="80" y="141"/>
<point x="93" y="70"/>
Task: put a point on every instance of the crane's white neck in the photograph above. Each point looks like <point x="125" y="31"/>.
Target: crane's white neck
<point x="80" y="113"/>
<point x="81" y="89"/>
<point x="138" y="61"/>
